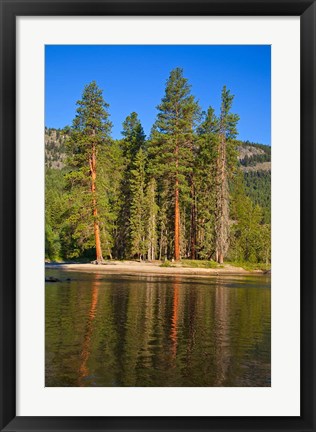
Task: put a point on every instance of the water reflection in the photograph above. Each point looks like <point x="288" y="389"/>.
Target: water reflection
<point x="86" y="347"/>
<point x="110" y="330"/>
<point x="221" y="333"/>
<point x="174" y="319"/>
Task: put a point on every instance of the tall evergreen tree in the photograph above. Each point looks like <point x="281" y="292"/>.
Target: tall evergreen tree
<point x="171" y="144"/>
<point x="89" y="134"/>
<point x="151" y="219"/>
<point x="133" y="136"/>
<point x="133" y="140"/>
<point x="227" y="129"/>
<point x="110" y="174"/>
<point x="138" y="207"/>
<point x="174" y="195"/>
<point x="205" y="174"/>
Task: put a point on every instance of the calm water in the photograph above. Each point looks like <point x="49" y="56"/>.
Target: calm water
<point x="113" y="330"/>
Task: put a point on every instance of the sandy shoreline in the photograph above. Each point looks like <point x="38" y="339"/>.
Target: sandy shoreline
<point x="132" y="267"/>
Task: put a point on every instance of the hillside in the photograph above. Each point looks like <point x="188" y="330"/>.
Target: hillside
<point x="254" y="157"/>
<point x="251" y="156"/>
<point x="55" y="148"/>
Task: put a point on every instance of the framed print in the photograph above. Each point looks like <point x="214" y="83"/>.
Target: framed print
<point x="157" y="166"/>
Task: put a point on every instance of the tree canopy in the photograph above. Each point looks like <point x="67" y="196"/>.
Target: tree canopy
<point x="181" y="192"/>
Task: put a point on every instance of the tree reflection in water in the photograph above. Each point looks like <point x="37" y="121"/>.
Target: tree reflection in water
<point x="86" y="347"/>
<point x="114" y="330"/>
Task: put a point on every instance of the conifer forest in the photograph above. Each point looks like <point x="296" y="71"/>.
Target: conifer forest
<point x="190" y="190"/>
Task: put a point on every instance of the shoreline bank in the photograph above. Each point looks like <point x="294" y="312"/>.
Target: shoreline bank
<point x="132" y="267"/>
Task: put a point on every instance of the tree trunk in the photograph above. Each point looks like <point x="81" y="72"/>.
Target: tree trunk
<point x="160" y="247"/>
<point x="99" y="257"/>
<point x="222" y="216"/>
<point x="176" y="223"/>
<point x="193" y="223"/>
<point x="177" y="211"/>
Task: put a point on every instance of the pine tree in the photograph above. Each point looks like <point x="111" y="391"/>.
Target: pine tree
<point x="89" y="135"/>
<point x="138" y="207"/>
<point x="133" y="140"/>
<point x="205" y="174"/>
<point x="134" y="136"/>
<point x="151" y="219"/>
<point x="227" y="132"/>
<point x="110" y="173"/>
<point x="171" y="144"/>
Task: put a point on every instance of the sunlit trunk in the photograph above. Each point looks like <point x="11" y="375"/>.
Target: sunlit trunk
<point x="176" y="224"/>
<point x="99" y="257"/>
<point x="193" y="222"/>
<point x="222" y="217"/>
<point x="177" y="212"/>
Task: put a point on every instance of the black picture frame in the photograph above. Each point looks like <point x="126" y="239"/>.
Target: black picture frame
<point x="10" y="9"/>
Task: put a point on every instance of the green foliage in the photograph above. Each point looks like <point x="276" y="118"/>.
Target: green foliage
<point x="172" y="138"/>
<point x="253" y="160"/>
<point x="52" y="243"/>
<point x="265" y="267"/>
<point x="200" y="264"/>
<point x="258" y="188"/>
<point x="171" y="153"/>
<point x="151" y="212"/>
<point x="138" y="209"/>
<point x="89" y="144"/>
<point x="225" y="163"/>
<point x="134" y="140"/>
<point x="134" y="136"/>
<point x="166" y="263"/>
<point x="205" y="181"/>
<point x="54" y="208"/>
<point x="136" y="180"/>
<point x="228" y="121"/>
<point x="251" y="238"/>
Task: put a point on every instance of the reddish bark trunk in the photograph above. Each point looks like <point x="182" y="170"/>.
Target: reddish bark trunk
<point x="193" y="222"/>
<point x="177" y="211"/>
<point x="99" y="257"/>
<point x="176" y="223"/>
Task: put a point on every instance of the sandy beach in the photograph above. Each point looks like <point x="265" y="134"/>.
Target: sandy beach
<point x="133" y="267"/>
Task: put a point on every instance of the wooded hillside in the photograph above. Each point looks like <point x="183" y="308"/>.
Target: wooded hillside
<point x="188" y="190"/>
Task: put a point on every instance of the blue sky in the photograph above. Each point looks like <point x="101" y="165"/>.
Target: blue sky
<point x="133" y="78"/>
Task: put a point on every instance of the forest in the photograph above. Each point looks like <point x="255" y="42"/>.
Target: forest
<point x="189" y="190"/>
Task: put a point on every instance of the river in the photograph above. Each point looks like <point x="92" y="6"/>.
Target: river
<point x="152" y="330"/>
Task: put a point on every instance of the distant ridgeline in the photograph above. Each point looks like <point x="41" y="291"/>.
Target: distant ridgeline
<point x="252" y="157"/>
<point x="254" y="162"/>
